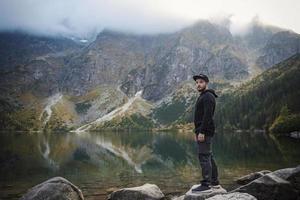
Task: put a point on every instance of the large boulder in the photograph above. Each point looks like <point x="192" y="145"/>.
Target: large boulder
<point x="290" y="174"/>
<point x="252" y="176"/>
<point x="147" y="191"/>
<point x="233" y="196"/>
<point x="56" y="188"/>
<point x="281" y="184"/>
<point x="189" y="195"/>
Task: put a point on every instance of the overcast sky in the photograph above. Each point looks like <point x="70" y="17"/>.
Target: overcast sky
<point x="81" y="17"/>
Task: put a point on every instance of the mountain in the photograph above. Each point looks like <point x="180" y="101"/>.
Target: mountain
<point x="32" y="63"/>
<point x="259" y="102"/>
<point x="124" y="79"/>
<point x="154" y="62"/>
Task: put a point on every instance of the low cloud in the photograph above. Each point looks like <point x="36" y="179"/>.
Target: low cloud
<point x="82" y="18"/>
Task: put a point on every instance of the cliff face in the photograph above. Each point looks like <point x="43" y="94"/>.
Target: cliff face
<point x="281" y="45"/>
<point x="156" y="63"/>
<point x="34" y="68"/>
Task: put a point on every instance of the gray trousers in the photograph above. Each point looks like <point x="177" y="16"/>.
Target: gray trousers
<point x="207" y="162"/>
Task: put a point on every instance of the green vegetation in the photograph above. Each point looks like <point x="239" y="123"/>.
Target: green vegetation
<point x="21" y="120"/>
<point x="82" y="107"/>
<point x="258" y="102"/>
<point x="168" y="113"/>
<point x="134" y="121"/>
<point x="286" y="122"/>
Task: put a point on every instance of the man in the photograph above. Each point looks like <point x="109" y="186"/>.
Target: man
<point x="204" y="132"/>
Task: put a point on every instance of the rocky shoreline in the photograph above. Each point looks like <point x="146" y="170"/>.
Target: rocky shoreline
<point x="282" y="184"/>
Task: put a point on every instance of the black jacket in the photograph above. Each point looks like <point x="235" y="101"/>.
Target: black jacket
<point x="204" y="112"/>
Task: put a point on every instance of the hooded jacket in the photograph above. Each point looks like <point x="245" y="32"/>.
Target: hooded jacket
<point x="204" y="112"/>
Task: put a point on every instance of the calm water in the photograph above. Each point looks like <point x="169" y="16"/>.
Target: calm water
<point x="100" y="162"/>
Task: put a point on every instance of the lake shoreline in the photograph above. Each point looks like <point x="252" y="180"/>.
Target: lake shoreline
<point x="279" y="184"/>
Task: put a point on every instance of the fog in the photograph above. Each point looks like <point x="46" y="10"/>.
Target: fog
<point x="81" y="18"/>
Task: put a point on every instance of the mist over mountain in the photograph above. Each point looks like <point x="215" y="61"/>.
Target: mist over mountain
<point x="84" y="19"/>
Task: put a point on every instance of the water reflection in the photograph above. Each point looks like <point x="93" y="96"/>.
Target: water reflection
<point x="98" y="161"/>
<point x="44" y="148"/>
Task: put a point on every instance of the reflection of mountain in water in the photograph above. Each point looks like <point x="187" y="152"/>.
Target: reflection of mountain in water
<point x="113" y="149"/>
<point x="142" y="155"/>
<point x="120" y="152"/>
<point x="247" y="148"/>
<point x="44" y="148"/>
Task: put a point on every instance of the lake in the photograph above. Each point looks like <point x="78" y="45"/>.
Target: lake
<point x="99" y="162"/>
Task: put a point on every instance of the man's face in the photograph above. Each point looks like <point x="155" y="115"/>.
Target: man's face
<point x="200" y="84"/>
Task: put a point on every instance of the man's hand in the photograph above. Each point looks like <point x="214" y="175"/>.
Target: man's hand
<point x="201" y="137"/>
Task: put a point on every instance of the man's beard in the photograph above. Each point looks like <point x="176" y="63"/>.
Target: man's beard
<point x="201" y="90"/>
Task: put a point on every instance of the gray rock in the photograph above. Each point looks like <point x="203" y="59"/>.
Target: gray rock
<point x="233" y="196"/>
<point x="269" y="186"/>
<point x="295" y="134"/>
<point x="57" y="188"/>
<point x="189" y="195"/>
<point x="290" y="174"/>
<point x="252" y="176"/>
<point x="146" y="191"/>
<point x="178" y="198"/>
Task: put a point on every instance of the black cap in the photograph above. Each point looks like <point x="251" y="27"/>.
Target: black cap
<point x="202" y="76"/>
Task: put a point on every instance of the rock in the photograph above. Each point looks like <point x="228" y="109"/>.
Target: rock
<point x="295" y="134"/>
<point x="146" y="191"/>
<point x="53" y="189"/>
<point x="273" y="186"/>
<point x="252" y="176"/>
<point x="189" y="195"/>
<point x="290" y="174"/>
<point x="178" y="198"/>
<point x="233" y="196"/>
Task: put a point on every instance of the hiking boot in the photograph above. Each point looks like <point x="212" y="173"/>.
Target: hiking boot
<point x="202" y="188"/>
<point x="215" y="185"/>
